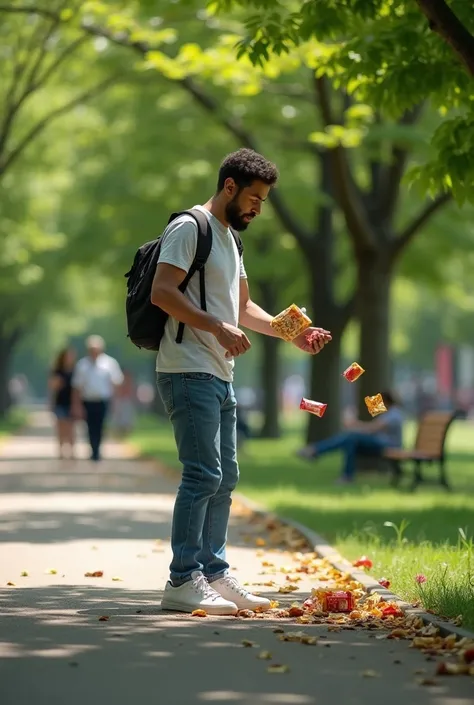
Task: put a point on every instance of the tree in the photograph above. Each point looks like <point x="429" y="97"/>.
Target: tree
<point x="358" y="194"/>
<point x="387" y="55"/>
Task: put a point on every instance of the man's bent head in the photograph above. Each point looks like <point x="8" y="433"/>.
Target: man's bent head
<point x="245" y="180"/>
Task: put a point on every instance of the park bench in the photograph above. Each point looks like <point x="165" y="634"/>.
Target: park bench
<point x="429" y="448"/>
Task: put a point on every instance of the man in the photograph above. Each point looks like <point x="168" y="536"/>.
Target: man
<point x="94" y="381"/>
<point x="367" y="437"/>
<point x="195" y="382"/>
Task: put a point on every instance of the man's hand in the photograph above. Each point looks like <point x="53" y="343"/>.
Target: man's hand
<point x="232" y="339"/>
<point x="312" y="340"/>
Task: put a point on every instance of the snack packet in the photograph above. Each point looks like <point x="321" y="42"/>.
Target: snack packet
<point x="314" y="407"/>
<point x="290" y="323"/>
<point x="353" y="372"/>
<point x="375" y="405"/>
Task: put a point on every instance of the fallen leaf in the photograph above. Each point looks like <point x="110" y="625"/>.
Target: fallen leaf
<point x="445" y="668"/>
<point x="24" y="574"/>
<point x="274" y="604"/>
<point x="95" y="574"/>
<point x="363" y="562"/>
<point x="199" y="613"/>
<point x="265" y="655"/>
<point x="287" y="588"/>
<point x="278" y="630"/>
<point x="246" y="614"/>
<point x="296" y="611"/>
<point x="260" y="542"/>
<point x="116" y="579"/>
<point x="248" y="644"/>
<point x="370" y="674"/>
<point x="104" y="618"/>
<point x="51" y="571"/>
<point x="10" y="584"/>
<point x="278" y="668"/>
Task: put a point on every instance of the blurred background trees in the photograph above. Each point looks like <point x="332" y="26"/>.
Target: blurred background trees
<point x="111" y="119"/>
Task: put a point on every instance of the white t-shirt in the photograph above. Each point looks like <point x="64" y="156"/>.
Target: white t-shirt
<point x="95" y="379"/>
<point x="199" y="351"/>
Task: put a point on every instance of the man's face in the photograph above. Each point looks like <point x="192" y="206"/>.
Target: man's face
<point x="94" y="351"/>
<point x="244" y="204"/>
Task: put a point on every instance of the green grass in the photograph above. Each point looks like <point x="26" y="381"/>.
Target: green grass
<point x="352" y="518"/>
<point x="15" y="419"/>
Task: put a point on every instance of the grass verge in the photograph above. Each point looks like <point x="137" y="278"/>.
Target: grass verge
<point x="15" y="419"/>
<point x="423" y="536"/>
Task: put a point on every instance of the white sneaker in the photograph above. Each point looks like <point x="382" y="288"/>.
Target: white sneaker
<point x="230" y="589"/>
<point x="196" y="594"/>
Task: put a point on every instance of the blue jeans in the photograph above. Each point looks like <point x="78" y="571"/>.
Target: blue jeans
<point x="202" y="410"/>
<point x="96" y="411"/>
<point x="351" y="442"/>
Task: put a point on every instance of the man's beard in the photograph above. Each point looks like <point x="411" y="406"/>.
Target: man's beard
<point x="235" y="217"/>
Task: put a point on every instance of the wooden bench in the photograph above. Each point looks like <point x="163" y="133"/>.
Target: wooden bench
<point x="429" y="448"/>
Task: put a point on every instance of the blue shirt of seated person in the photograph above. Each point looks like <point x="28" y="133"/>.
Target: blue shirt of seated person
<point x="370" y="437"/>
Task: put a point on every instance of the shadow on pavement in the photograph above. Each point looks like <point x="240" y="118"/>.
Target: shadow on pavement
<point x="64" y="654"/>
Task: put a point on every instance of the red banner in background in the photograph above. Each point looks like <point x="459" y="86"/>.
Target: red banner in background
<point x="444" y="370"/>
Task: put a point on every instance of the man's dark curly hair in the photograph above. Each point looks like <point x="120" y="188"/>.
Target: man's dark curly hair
<point x="246" y="166"/>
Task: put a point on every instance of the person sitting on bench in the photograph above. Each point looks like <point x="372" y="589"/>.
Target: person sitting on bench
<point x="365" y="437"/>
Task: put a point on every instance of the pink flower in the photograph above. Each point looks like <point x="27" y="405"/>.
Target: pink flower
<point x="420" y="578"/>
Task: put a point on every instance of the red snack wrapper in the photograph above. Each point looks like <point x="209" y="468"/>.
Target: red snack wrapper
<point x="363" y="562"/>
<point x="314" y="407"/>
<point x="375" y="405"/>
<point x="338" y="601"/>
<point x="392" y="611"/>
<point x="353" y="372"/>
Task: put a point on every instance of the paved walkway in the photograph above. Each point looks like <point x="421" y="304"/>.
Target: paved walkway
<point x="59" y="520"/>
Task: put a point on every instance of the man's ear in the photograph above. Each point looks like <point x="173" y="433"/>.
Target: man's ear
<point x="230" y="187"/>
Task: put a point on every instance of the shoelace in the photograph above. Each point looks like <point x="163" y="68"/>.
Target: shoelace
<point x="234" y="585"/>
<point x="203" y="588"/>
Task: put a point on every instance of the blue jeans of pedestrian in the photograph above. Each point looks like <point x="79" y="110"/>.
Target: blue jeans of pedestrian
<point x="351" y="442"/>
<point x="202" y="410"/>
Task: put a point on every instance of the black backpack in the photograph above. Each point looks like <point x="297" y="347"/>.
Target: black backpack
<point x="145" y="321"/>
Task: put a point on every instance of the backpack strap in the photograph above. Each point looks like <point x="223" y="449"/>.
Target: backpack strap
<point x="238" y="241"/>
<point x="203" y="250"/>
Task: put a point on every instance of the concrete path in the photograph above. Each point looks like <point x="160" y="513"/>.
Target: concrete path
<point x="59" y="520"/>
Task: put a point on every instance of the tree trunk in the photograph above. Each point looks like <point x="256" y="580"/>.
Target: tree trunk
<point x="373" y="308"/>
<point x="325" y="381"/>
<point x="270" y="367"/>
<point x="270" y="376"/>
<point x="7" y="345"/>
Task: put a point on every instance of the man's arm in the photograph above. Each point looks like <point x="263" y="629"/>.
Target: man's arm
<point x="255" y="318"/>
<point x="165" y="293"/>
<point x="251" y="316"/>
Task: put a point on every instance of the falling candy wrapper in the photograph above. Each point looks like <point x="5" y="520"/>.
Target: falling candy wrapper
<point x="353" y="372"/>
<point x="375" y="405"/>
<point x="314" y="407"/>
<point x="290" y="323"/>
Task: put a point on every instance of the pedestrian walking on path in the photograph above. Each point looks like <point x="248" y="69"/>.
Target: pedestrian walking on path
<point x="195" y="380"/>
<point x="60" y="386"/>
<point x="94" y="382"/>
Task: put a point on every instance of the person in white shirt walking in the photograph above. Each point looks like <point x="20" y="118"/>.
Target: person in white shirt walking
<point x="94" y="381"/>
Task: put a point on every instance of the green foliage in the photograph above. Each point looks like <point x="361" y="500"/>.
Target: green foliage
<point x="384" y="54"/>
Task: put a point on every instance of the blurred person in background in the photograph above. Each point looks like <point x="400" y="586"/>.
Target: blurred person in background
<point x="124" y="406"/>
<point x="364" y="437"/>
<point x="94" y="383"/>
<point x="60" y="387"/>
